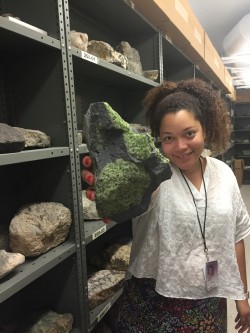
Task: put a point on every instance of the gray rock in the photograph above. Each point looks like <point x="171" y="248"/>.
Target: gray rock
<point x="102" y="285"/>
<point x="151" y="74"/>
<point x="39" y="227"/>
<point x="89" y="208"/>
<point x="11" y="140"/>
<point x="9" y="261"/>
<point x="46" y="322"/>
<point x="79" y="40"/>
<point x="106" y="52"/>
<point x="128" y="166"/>
<point x="34" y="138"/>
<point x="116" y="257"/>
<point x="134" y="60"/>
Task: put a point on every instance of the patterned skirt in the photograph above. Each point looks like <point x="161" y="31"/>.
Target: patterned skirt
<point x="143" y="310"/>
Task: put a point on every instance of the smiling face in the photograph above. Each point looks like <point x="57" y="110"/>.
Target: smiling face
<point x="182" y="139"/>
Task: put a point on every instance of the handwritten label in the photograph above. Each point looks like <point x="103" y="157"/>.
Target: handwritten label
<point x="103" y="312"/>
<point x="89" y="57"/>
<point x="99" y="232"/>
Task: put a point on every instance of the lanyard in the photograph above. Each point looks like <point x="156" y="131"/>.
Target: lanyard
<point x="203" y="232"/>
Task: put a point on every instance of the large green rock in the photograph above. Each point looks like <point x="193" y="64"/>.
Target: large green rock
<point x="128" y="166"/>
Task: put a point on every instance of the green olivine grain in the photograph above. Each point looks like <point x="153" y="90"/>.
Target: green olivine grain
<point x="117" y="120"/>
<point x="120" y="186"/>
<point x="137" y="145"/>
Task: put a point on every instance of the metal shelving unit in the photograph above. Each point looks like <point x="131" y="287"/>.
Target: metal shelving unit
<point x="35" y="94"/>
<point x="46" y="84"/>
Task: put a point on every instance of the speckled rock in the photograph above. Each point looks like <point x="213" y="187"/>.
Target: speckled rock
<point x="46" y="322"/>
<point x="9" y="261"/>
<point x="128" y="166"/>
<point x="102" y="285"/>
<point x="11" y="140"/>
<point x="116" y="257"/>
<point x="38" y="227"/>
<point x="34" y="138"/>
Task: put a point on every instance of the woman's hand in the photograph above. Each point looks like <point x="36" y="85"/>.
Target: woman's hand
<point x="89" y="178"/>
<point x="243" y="317"/>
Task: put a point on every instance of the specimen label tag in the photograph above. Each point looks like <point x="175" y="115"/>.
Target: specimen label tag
<point x="89" y="57"/>
<point x="99" y="232"/>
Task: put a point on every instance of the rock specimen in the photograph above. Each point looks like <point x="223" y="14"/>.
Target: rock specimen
<point x="11" y="140"/>
<point x="106" y="52"/>
<point x="115" y="257"/>
<point x="79" y="40"/>
<point x="134" y="60"/>
<point x="89" y="208"/>
<point x="9" y="261"/>
<point x="34" y="138"/>
<point x="39" y="227"/>
<point x="151" y="74"/>
<point x="46" y="322"/>
<point x="128" y="166"/>
<point x="102" y="285"/>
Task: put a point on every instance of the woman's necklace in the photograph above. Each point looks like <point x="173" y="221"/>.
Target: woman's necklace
<point x="210" y="281"/>
<point x="203" y="232"/>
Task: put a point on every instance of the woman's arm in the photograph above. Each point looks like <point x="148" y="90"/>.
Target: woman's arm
<point x="241" y="259"/>
<point x="243" y="317"/>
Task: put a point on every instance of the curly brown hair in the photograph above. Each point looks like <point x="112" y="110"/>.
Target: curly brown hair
<point x="197" y="97"/>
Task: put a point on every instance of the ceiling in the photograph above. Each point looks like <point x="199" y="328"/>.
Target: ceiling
<point x="218" y="18"/>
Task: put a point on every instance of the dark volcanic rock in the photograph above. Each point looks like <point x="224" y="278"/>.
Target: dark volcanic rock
<point x="128" y="166"/>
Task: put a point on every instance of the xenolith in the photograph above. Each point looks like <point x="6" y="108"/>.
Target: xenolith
<point x="128" y="167"/>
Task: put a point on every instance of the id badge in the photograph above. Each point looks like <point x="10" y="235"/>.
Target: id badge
<point x="211" y="272"/>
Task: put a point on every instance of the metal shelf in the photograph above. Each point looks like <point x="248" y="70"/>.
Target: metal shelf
<point x="237" y="117"/>
<point x="94" y="229"/>
<point x="99" y="312"/>
<point x="242" y="143"/>
<point x="33" y="155"/>
<point x="241" y="130"/>
<point x="31" y="269"/>
<point x="18" y="39"/>
<point x="97" y="69"/>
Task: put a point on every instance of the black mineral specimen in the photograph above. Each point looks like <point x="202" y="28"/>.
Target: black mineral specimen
<point x="128" y="167"/>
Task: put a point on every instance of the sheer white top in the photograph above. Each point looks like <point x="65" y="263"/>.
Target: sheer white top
<point x="167" y="242"/>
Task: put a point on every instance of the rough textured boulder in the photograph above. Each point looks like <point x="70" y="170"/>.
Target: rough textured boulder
<point x="39" y="227"/>
<point x="34" y="138"/>
<point x="106" y="52"/>
<point x="128" y="166"/>
<point x="102" y="285"/>
<point x="79" y="40"/>
<point x="89" y="207"/>
<point x="134" y="60"/>
<point x="11" y="140"/>
<point x="9" y="261"/>
<point x="116" y="257"/>
<point x="46" y="322"/>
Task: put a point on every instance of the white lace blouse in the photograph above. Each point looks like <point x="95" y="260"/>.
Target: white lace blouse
<point x="167" y="241"/>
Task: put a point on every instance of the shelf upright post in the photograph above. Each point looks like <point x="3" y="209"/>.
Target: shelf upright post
<point x="160" y="57"/>
<point x="75" y="164"/>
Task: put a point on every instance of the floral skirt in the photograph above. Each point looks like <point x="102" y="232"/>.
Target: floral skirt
<point x="143" y="310"/>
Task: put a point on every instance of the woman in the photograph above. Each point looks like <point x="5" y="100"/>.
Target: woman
<point x="196" y="218"/>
